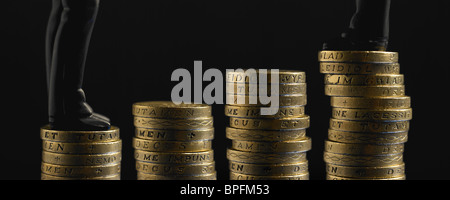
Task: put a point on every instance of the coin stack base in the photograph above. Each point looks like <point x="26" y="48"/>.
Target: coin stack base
<point x="173" y="142"/>
<point x="267" y="147"/>
<point x="81" y="155"/>
<point x="370" y="115"/>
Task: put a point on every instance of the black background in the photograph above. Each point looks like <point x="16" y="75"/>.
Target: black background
<point x="136" y="45"/>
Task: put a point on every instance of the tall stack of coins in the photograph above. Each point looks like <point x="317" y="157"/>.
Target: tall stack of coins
<point x="370" y="115"/>
<point x="267" y="147"/>
<point x="81" y="155"/>
<point x="173" y="142"/>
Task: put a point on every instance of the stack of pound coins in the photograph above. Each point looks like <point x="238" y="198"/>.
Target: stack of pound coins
<point x="173" y="142"/>
<point x="267" y="147"/>
<point x="81" y="155"/>
<point x="370" y="115"/>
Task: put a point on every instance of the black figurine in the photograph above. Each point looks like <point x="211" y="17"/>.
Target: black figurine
<point x="68" y="35"/>
<point x="368" y="29"/>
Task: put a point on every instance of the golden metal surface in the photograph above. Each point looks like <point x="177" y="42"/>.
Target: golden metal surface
<point x="331" y="177"/>
<point x="264" y="135"/>
<point x="113" y="134"/>
<point x="81" y="148"/>
<point x="358" y="56"/>
<point x="368" y="80"/>
<point x="80" y="171"/>
<point x="175" y="169"/>
<point x="270" y="124"/>
<point x="238" y="176"/>
<point x="365" y="91"/>
<point x="50" y="177"/>
<point x="368" y="138"/>
<point x="255" y="112"/>
<point x="171" y="146"/>
<point x="366" y="172"/>
<point x="267" y="158"/>
<point x="269" y="169"/>
<point x="176" y="135"/>
<point x="359" y="68"/>
<point x="173" y="124"/>
<point x="144" y="176"/>
<point x="169" y="110"/>
<point x="369" y="126"/>
<point x="254" y="89"/>
<point x="372" y="114"/>
<point x="174" y="157"/>
<point x="81" y="159"/>
<point x="363" y="160"/>
<point x="284" y="100"/>
<point x="285" y="76"/>
<point x="279" y="146"/>
<point x="371" y="102"/>
<point x="363" y="149"/>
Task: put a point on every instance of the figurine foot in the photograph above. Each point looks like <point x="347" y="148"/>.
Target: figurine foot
<point x="351" y="42"/>
<point x="87" y="123"/>
<point x="76" y="114"/>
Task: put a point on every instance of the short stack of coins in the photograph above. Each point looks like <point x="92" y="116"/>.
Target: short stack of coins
<point x="81" y="155"/>
<point x="370" y="115"/>
<point x="267" y="147"/>
<point x="173" y="142"/>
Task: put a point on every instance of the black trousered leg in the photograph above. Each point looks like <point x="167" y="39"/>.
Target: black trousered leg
<point x="69" y="32"/>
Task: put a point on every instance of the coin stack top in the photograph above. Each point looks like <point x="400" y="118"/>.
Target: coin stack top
<point x="267" y="147"/>
<point x="80" y="155"/>
<point x="370" y="115"/>
<point x="173" y="141"/>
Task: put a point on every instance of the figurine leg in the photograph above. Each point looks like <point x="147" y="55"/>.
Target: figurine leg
<point x="67" y="103"/>
<point x="368" y="29"/>
<point x="52" y="27"/>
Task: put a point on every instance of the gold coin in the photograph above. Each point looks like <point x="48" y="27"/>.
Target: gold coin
<point x="110" y="135"/>
<point x="284" y="76"/>
<point x="174" y="157"/>
<point x="354" y="79"/>
<point x="255" y="112"/>
<point x="363" y="161"/>
<point x="269" y="169"/>
<point x="363" y="149"/>
<point x="144" y="176"/>
<point x="371" y="102"/>
<point x="278" y="146"/>
<point x="372" y="114"/>
<point x="81" y="148"/>
<point x="174" y="124"/>
<point x="170" y="110"/>
<point x="175" y="169"/>
<point x="268" y="158"/>
<point x="365" y="91"/>
<point x="171" y="146"/>
<point x="80" y="171"/>
<point x="366" y="172"/>
<point x="50" y="177"/>
<point x="283" y="100"/>
<point x="82" y="159"/>
<point x="177" y="135"/>
<point x="254" y="89"/>
<point x="238" y="176"/>
<point x="359" y="68"/>
<point x="264" y="135"/>
<point x="369" y="126"/>
<point x="270" y="124"/>
<point x="358" y="56"/>
<point x="331" y="177"/>
<point x="364" y="138"/>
